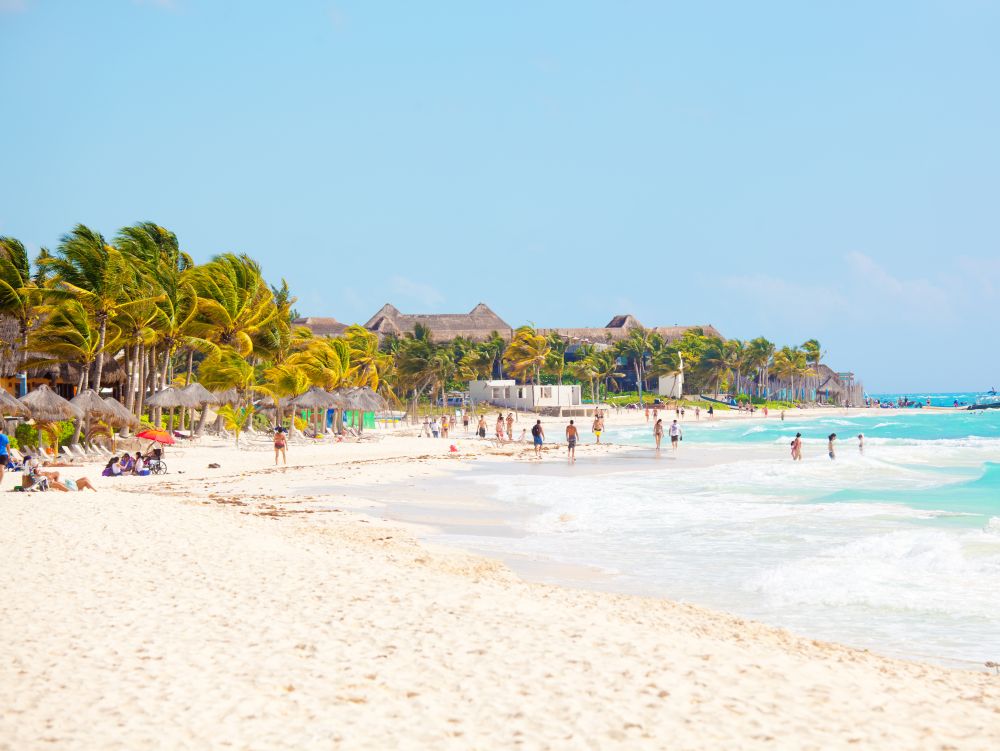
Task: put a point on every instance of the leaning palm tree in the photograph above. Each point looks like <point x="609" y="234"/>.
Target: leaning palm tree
<point x="95" y="274"/>
<point x="526" y="354"/>
<point x="19" y="295"/>
<point x="366" y="360"/>
<point x="636" y="346"/>
<point x="234" y="302"/>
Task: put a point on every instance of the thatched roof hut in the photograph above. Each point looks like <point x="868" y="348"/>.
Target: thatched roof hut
<point x="91" y="404"/>
<point x="196" y="391"/>
<point x="172" y="397"/>
<point x="478" y="324"/>
<point x="9" y="406"/>
<point x="363" y="399"/>
<point x="46" y="405"/>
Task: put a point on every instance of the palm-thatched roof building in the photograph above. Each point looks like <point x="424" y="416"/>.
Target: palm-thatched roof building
<point x="618" y="328"/>
<point x="478" y="324"/>
<point x="61" y="378"/>
<point x="320" y="326"/>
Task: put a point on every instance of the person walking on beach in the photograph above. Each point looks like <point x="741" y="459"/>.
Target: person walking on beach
<point x="510" y="426"/>
<point x="500" y="427"/>
<point x="711" y="412"/>
<point x="861" y="443"/>
<point x="797" y="448"/>
<point x="829" y="445"/>
<point x="280" y="446"/>
<point x="445" y="424"/>
<point x="426" y="430"/>
<point x="537" y="437"/>
<point x="465" y="421"/>
<point x="598" y="428"/>
<point x="4" y="451"/>
<point x="658" y="434"/>
<point x="656" y="414"/>
<point x="647" y="414"/>
<point x="434" y="427"/>
<point x="572" y="434"/>
<point x="782" y="415"/>
<point x="697" y="413"/>
<point x="481" y="427"/>
<point x="675" y="435"/>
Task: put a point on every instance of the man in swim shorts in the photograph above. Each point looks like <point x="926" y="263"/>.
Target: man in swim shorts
<point x="572" y="434"/>
<point x="538" y="436"/>
<point x="598" y="427"/>
<point x="675" y="434"/>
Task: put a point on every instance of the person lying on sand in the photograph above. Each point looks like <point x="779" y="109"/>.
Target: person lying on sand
<point x="72" y="485"/>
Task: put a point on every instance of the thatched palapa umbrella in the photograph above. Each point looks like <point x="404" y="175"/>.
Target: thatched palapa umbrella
<point x="171" y="398"/>
<point x="92" y="405"/>
<point x="363" y="399"/>
<point x="315" y="399"/>
<point x="46" y="406"/>
<point x="204" y="397"/>
<point x="122" y="417"/>
<point x="12" y="407"/>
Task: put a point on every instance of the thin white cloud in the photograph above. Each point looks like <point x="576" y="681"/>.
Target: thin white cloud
<point x="12" y="6"/>
<point x="415" y="291"/>
<point x="917" y="291"/>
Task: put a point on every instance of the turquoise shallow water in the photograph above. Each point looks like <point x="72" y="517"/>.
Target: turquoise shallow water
<point x="895" y="549"/>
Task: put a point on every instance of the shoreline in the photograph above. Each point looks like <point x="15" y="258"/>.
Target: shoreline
<point x="292" y="623"/>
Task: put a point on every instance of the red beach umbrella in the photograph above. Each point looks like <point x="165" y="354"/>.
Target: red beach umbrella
<point x="157" y="436"/>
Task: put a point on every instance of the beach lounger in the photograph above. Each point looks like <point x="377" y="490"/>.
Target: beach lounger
<point x="78" y="452"/>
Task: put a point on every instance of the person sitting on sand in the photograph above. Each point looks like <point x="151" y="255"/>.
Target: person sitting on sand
<point x="32" y="464"/>
<point x="138" y="464"/>
<point x="112" y="468"/>
<point x="538" y="436"/>
<point x="68" y="486"/>
<point x="126" y="464"/>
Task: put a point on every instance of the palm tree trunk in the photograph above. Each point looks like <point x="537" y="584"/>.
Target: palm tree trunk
<point x="24" y="356"/>
<point x="140" y="391"/>
<point x="100" y="353"/>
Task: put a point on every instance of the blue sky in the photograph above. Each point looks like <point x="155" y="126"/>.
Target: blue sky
<point x="788" y="169"/>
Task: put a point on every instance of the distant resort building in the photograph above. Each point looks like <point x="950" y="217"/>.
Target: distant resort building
<point x="321" y="326"/>
<point x="478" y="324"/>
<point x="560" y="401"/>
<point x="618" y="328"/>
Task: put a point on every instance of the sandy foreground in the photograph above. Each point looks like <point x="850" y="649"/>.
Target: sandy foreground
<point x="242" y="608"/>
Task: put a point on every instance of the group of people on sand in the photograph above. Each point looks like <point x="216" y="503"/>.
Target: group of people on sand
<point x="34" y="474"/>
<point x="831" y="448"/>
<point x="127" y="465"/>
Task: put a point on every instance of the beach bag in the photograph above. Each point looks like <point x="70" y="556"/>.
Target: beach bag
<point x="143" y="472"/>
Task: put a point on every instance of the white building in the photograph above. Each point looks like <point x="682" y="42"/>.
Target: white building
<point x="560" y="400"/>
<point x="671" y="386"/>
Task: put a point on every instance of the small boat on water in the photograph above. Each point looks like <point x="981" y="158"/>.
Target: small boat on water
<point x="990" y="400"/>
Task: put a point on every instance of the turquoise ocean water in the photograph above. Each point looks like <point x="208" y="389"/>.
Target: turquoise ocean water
<point x="896" y="548"/>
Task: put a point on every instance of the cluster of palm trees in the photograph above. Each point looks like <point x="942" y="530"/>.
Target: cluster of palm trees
<point x="140" y="300"/>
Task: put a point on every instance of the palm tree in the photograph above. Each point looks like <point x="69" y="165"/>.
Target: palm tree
<point x="555" y="363"/>
<point x="635" y="347"/>
<point x="526" y="354"/>
<point x="96" y="274"/>
<point x="234" y="303"/>
<point x="605" y="368"/>
<point x="495" y="345"/>
<point x="761" y="352"/>
<point x="19" y="295"/>
<point x="283" y="381"/>
<point x="714" y="362"/>
<point x="586" y="369"/>
<point x="367" y="361"/>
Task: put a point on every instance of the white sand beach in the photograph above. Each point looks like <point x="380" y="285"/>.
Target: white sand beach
<point x="220" y="609"/>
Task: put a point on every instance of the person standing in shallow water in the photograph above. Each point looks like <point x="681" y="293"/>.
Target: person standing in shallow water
<point x="572" y="434"/>
<point x="861" y="443"/>
<point x="829" y="445"/>
<point x="658" y="434"/>
<point x="675" y="435"/>
<point x="797" y="448"/>
<point x="537" y="437"/>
